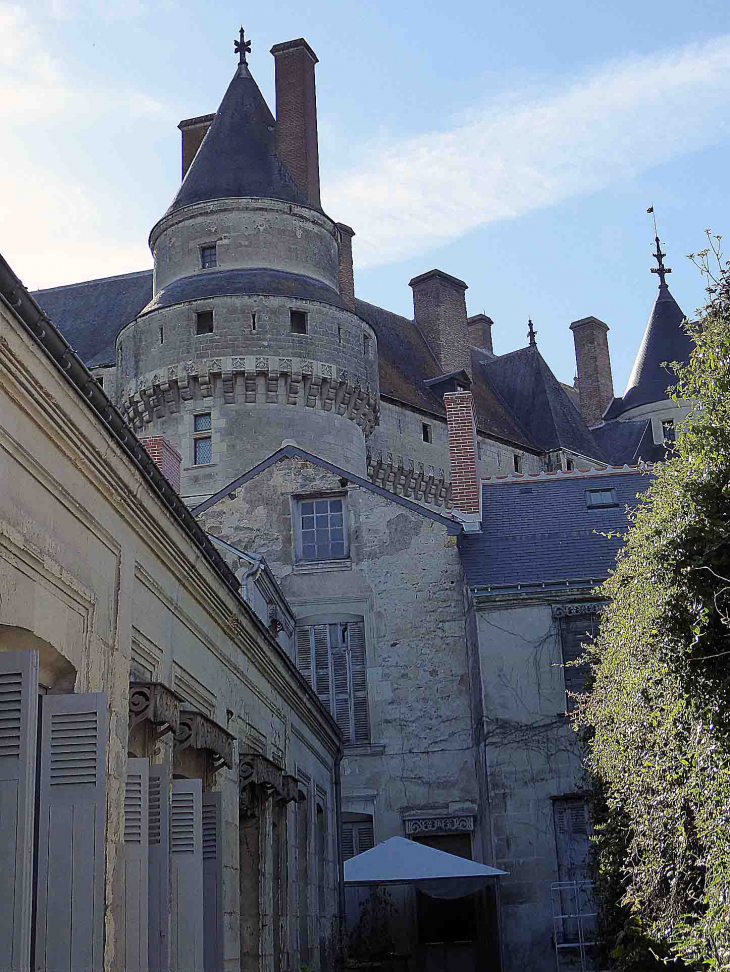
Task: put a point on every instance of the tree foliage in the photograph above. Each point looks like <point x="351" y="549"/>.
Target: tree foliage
<point x="657" y="719"/>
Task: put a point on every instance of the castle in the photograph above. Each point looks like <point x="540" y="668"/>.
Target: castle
<point x="413" y="518"/>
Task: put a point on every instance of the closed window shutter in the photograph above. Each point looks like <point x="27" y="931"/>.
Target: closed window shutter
<point x="364" y="834"/>
<point x="186" y="876"/>
<point x="304" y="653"/>
<point x="71" y="832"/>
<point x="135" y="868"/>
<point x="159" y="869"/>
<point x="212" y="883"/>
<point x="572" y="837"/>
<point x="18" y="732"/>
<point x="358" y="678"/>
<point x="341" y="692"/>
<point x="348" y="841"/>
<point x="322" y="662"/>
<point x="575" y="632"/>
<point x="357" y="838"/>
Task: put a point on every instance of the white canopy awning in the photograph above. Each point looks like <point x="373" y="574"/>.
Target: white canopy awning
<point x="403" y="861"/>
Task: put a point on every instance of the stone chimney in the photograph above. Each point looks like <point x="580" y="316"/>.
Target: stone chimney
<point x="466" y="491"/>
<point x="193" y="131"/>
<point x="296" y="115"/>
<point x="480" y="332"/>
<point x="439" y="309"/>
<point x="593" y="361"/>
<point x="167" y="459"/>
<point x="347" y="274"/>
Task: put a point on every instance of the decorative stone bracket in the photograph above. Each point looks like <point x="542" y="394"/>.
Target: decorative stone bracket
<point x="157" y="703"/>
<point x="463" y="823"/>
<point x="261" y="779"/>
<point x="253" y="378"/>
<point x="570" y="610"/>
<point x="199" y="732"/>
<point x="410" y="479"/>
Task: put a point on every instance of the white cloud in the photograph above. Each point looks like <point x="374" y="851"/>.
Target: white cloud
<point x="518" y="155"/>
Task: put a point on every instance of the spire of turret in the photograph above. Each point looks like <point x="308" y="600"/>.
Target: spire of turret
<point x="237" y="157"/>
<point x="531" y="333"/>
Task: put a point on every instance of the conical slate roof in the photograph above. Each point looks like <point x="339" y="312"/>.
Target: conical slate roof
<point x="237" y="157"/>
<point x="664" y="340"/>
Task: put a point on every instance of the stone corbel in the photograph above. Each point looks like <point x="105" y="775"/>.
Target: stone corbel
<point x="260" y="779"/>
<point x="199" y="732"/>
<point x="157" y="703"/>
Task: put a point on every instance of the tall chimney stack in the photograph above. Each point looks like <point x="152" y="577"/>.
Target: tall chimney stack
<point x="466" y="490"/>
<point x="347" y="273"/>
<point x="593" y="361"/>
<point x="193" y="132"/>
<point x="439" y="309"/>
<point x="296" y="115"/>
<point x="480" y="332"/>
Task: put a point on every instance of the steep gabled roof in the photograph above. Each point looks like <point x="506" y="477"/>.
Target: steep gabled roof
<point x="237" y="156"/>
<point x="665" y="340"/>
<point x="525" y="383"/>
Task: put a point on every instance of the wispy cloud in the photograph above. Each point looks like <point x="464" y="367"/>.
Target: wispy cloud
<point x="520" y="154"/>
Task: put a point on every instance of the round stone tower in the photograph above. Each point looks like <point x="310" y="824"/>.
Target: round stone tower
<point x="247" y="340"/>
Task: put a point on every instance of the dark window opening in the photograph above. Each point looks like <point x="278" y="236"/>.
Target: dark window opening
<point x="669" y="432"/>
<point x="298" y="322"/>
<point x="569" y="465"/>
<point x="339" y="335"/>
<point x="366" y="345"/>
<point x="426" y="432"/>
<point x="253" y="320"/>
<point x="517" y="460"/>
<point x="600" y="498"/>
<point x="162" y="335"/>
<point x="204" y="322"/>
<point x="209" y="256"/>
<point x="444" y="921"/>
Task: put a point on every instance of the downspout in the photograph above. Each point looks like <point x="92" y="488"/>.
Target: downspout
<point x="340" y="862"/>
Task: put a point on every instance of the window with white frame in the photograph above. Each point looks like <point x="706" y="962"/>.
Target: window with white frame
<point x="321" y="528"/>
<point x="202" y="439"/>
<point x="208" y="256"/>
<point x="332" y="659"/>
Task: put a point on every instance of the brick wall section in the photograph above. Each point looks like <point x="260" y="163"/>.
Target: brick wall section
<point x="593" y="361"/>
<point x="193" y="132"/>
<point x="480" y="332"/>
<point x="296" y="114"/>
<point x="167" y="459"/>
<point x="461" y="421"/>
<point x="347" y="273"/>
<point x="439" y="308"/>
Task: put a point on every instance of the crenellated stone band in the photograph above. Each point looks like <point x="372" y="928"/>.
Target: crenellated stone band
<point x="409" y="478"/>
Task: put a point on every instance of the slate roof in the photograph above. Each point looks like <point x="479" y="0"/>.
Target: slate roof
<point x="237" y="156"/>
<point x="627" y="442"/>
<point x="220" y="283"/>
<point x="91" y="314"/>
<point x="406" y="362"/>
<point x="539" y="530"/>
<point x="664" y="340"/>
<point x="539" y="401"/>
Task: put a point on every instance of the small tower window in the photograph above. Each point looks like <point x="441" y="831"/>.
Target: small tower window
<point x="517" y="460"/>
<point x="204" y="322"/>
<point x="209" y="256"/>
<point x="253" y="320"/>
<point x="569" y="464"/>
<point x="162" y="335"/>
<point x="339" y="334"/>
<point x="366" y="344"/>
<point x="202" y="439"/>
<point x="298" y="322"/>
<point x="426" y="432"/>
<point x="669" y="432"/>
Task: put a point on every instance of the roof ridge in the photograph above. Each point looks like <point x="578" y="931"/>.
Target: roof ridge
<point x="95" y="280"/>
<point x="585" y="473"/>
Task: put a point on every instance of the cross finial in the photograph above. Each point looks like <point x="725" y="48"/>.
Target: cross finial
<point x="658" y="255"/>
<point x="531" y="333"/>
<point x="242" y="47"/>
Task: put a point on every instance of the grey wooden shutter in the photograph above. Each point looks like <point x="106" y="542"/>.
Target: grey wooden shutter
<point x="71" y="833"/>
<point x="159" y="869"/>
<point x="323" y="678"/>
<point x="135" y="868"/>
<point x="304" y="653"/>
<point x="212" y="883"/>
<point x="348" y="841"/>
<point x="359" y="682"/>
<point x="574" y="633"/>
<point x="18" y="734"/>
<point x="341" y="692"/>
<point x="357" y="838"/>
<point x="186" y="876"/>
<point x="572" y="838"/>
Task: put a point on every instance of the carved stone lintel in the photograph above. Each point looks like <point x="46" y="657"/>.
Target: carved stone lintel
<point x="200" y="732"/>
<point x="570" y="610"/>
<point x="440" y="825"/>
<point x="156" y="702"/>
<point x="260" y="779"/>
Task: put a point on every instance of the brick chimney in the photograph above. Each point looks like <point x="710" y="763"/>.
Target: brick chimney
<point x="480" y="332"/>
<point x="439" y="308"/>
<point x="296" y="114"/>
<point x="347" y="274"/>
<point x="593" y="361"/>
<point x="165" y="456"/>
<point x="193" y="132"/>
<point x="466" y="491"/>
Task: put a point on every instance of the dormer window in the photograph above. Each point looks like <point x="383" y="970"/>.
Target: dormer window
<point x="600" y="498"/>
<point x="669" y="432"/>
<point x="208" y="256"/>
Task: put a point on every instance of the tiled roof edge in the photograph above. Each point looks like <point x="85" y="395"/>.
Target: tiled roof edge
<point x="590" y="473"/>
<point x="96" y="280"/>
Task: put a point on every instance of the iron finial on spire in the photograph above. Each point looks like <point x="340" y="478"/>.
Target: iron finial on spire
<point x="531" y="333"/>
<point x="242" y="47"/>
<point x="658" y="255"/>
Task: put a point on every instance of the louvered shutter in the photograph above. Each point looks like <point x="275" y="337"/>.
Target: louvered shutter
<point x="18" y="733"/>
<point x="357" y="838"/>
<point x="304" y="653"/>
<point x="212" y="883"/>
<point x="323" y="675"/>
<point x="359" y="682"/>
<point x="186" y="876"/>
<point x="159" y="869"/>
<point x="71" y="832"/>
<point x="572" y="837"/>
<point x="574" y="633"/>
<point x="341" y="692"/>
<point x="135" y="868"/>
<point x="348" y="841"/>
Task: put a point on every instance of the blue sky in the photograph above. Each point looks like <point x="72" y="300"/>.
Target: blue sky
<point x="515" y="145"/>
